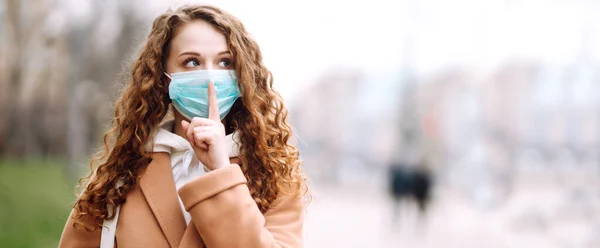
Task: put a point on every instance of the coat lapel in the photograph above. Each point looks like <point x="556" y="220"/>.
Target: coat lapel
<point x="159" y="190"/>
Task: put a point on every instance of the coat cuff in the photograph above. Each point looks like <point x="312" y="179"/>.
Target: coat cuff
<point x="210" y="184"/>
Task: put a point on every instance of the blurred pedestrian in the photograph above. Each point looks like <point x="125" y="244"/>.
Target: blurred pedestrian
<point x="409" y="183"/>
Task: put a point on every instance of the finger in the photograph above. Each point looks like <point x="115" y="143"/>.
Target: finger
<point x="202" y="146"/>
<point x="199" y="143"/>
<point x="213" y="105"/>
<point x="185" y="125"/>
<point x="207" y="133"/>
<point x="199" y="121"/>
<point x="188" y="130"/>
<point x="204" y="138"/>
<point x="203" y="129"/>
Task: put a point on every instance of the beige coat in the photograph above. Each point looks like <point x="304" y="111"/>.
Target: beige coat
<point x="223" y="214"/>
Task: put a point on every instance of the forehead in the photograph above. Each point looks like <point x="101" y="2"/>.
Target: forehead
<point x="198" y="36"/>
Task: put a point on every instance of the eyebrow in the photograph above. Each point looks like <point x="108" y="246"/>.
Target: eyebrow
<point x="200" y="55"/>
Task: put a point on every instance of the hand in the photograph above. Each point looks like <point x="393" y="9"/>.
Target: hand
<point x="207" y="136"/>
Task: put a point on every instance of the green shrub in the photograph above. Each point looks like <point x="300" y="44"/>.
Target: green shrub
<point x="35" y="200"/>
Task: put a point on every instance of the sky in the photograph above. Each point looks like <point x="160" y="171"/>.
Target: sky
<point x="301" y="40"/>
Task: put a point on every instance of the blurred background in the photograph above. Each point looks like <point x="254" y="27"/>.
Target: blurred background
<point x="421" y="123"/>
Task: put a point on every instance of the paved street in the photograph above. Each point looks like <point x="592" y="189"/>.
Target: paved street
<point x="534" y="215"/>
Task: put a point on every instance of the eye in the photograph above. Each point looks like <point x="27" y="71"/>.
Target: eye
<point x="226" y="63"/>
<point x="191" y="62"/>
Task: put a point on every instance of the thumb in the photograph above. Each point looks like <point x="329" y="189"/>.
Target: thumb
<point x="185" y="126"/>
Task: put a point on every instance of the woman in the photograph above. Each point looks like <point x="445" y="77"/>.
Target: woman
<point x="220" y="172"/>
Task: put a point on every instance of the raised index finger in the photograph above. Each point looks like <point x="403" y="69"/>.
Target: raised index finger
<point x="213" y="105"/>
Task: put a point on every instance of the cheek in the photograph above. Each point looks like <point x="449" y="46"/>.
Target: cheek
<point x="169" y="66"/>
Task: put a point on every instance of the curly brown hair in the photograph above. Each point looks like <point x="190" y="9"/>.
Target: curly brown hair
<point x="270" y="163"/>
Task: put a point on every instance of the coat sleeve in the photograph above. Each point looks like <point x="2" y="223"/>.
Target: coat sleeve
<point x="79" y="237"/>
<point x="225" y="214"/>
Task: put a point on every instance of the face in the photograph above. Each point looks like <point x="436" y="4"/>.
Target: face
<point x="198" y="46"/>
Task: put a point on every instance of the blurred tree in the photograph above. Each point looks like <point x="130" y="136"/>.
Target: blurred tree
<point x="58" y="66"/>
<point x="97" y="52"/>
<point x="3" y="75"/>
<point x="32" y="59"/>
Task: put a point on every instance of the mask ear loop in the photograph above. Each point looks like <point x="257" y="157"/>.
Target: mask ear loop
<point x="168" y="75"/>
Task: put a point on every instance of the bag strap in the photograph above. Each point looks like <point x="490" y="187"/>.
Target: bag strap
<point x="109" y="227"/>
<point x="109" y="231"/>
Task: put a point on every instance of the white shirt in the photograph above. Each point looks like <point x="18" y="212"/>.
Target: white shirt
<point x="185" y="166"/>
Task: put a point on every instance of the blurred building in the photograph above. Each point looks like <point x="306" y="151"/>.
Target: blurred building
<point x="481" y="130"/>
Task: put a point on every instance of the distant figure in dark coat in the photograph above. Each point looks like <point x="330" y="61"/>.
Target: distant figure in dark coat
<point x="412" y="183"/>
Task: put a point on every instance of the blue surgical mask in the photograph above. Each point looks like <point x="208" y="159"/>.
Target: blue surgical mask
<point x="189" y="91"/>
